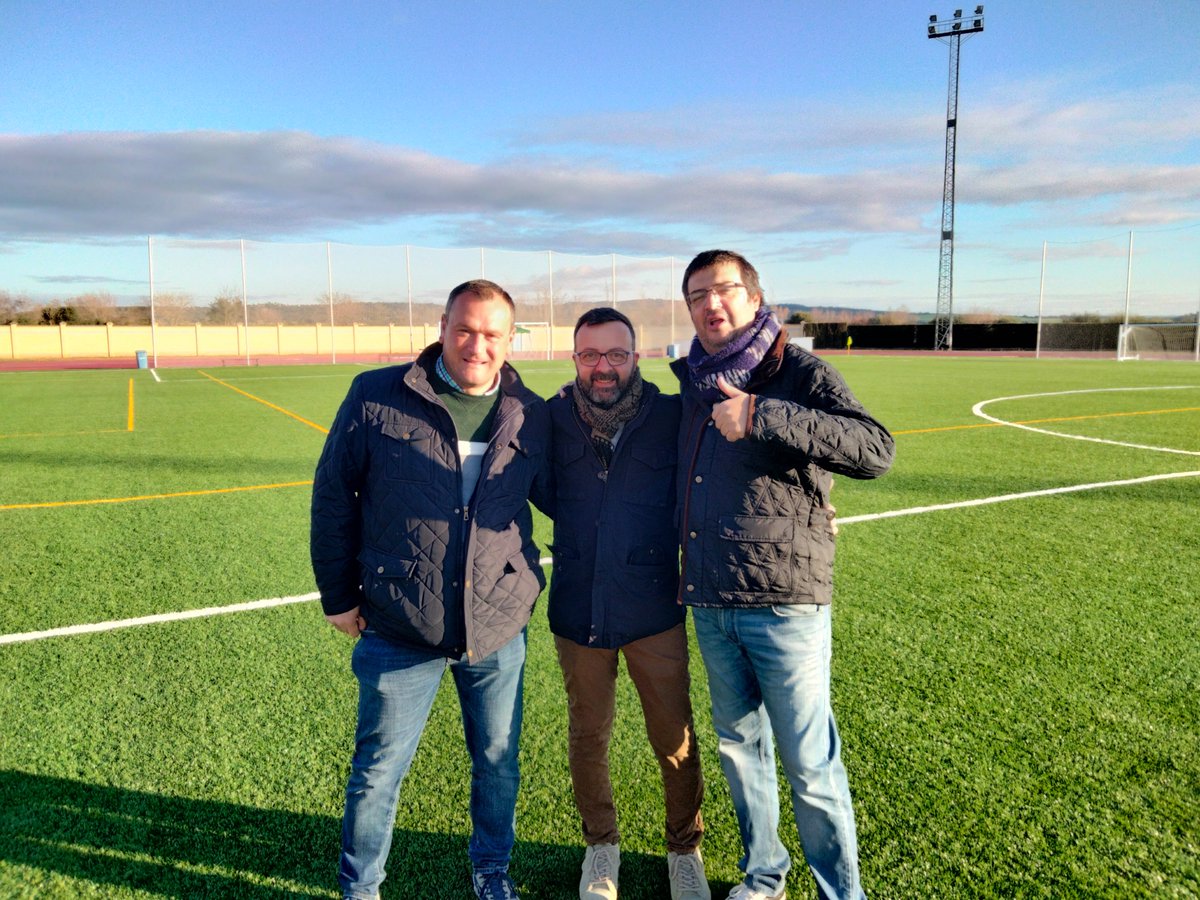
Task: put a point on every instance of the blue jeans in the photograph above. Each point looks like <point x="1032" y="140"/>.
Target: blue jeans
<point x="768" y="671"/>
<point x="396" y="689"/>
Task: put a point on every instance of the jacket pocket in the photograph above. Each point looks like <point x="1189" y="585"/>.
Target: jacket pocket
<point x="650" y="476"/>
<point x="387" y="579"/>
<point x="408" y="451"/>
<point x="757" y="554"/>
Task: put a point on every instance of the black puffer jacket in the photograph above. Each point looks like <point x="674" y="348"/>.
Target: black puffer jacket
<point x="754" y="513"/>
<point x="616" y="548"/>
<point x="390" y="532"/>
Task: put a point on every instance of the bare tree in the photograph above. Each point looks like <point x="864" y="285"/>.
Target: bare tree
<point x="94" y="308"/>
<point x="173" y="308"/>
<point x="898" y="316"/>
<point x="14" y="308"/>
<point x="226" y="308"/>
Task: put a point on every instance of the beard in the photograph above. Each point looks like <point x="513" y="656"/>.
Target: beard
<point x="604" y="396"/>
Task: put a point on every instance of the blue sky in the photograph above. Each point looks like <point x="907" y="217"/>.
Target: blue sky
<point x="809" y="137"/>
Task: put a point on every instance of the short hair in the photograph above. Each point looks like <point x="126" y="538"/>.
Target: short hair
<point x="710" y="258"/>
<point x="483" y="289"/>
<point x="599" y="315"/>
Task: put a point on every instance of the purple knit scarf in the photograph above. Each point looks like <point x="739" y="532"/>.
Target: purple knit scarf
<point x="736" y="360"/>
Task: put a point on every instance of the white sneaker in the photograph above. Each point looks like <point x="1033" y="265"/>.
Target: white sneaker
<point x="688" y="881"/>
<point x="599" y="879"/>
<point x="745" y="892"/>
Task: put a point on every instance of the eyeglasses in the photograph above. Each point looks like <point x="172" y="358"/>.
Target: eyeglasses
<point x="725" y="290"/>
<point x="615" y="358"/>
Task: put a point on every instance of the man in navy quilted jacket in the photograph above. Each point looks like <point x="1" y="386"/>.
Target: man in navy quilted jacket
<point x="422" y="548"/>
<point x="613" y="594"/>
<point x="764" y="426"/>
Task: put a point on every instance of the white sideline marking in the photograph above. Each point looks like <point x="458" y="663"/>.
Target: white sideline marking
<point x="977" y="409"/>
<point x="154" y="372"/>
<point x="70" y="630"/>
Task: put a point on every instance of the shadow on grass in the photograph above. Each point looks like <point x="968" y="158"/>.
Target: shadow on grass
<point x="120" y="839"/>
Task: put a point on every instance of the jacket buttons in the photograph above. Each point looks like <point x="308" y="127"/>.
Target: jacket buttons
<point x="699" y="478"/>
<point x="380" y="570"/>
<point x="602" y="475"/>
<point x="692" y="534"/>
<point x="691" y="588"/>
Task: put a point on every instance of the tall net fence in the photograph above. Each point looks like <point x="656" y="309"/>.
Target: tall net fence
<point x="1091" y="291"/>
<point x="328" y="299"/>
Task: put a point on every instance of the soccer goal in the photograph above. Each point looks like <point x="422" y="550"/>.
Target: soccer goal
<point x="532" y="341"/>
<point x="1159" y="340"/>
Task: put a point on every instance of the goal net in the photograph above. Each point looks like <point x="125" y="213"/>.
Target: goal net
<point x="1159" y="340"/>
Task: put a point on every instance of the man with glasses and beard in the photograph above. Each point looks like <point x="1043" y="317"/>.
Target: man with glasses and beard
<point x="613" y="592"/>
<point x="765" y="424"/>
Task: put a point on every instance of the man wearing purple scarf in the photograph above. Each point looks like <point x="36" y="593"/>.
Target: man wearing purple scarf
<point x="765" y="425"/>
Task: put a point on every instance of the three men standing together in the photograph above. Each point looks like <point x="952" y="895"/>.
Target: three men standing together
<point x="422" y="547"/>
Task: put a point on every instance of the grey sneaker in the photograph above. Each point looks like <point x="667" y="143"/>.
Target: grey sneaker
<point x="494" y="886"/>
<point x="686" y="871"/>
<point x="601" y="863"/>
<point x="745" y="892"/>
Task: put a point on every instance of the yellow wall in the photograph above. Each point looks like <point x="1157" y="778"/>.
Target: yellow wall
<point x="230" y="341"/>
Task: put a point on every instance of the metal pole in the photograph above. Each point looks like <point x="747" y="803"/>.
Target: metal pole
<point x="332" y="333"/>
<point x="482" y="268"/>
<point x="1196" y="352"/>
<point x="1037" y="352"/>
<point x="614" y="280"/>
<point x="671" y="299"/>
<point x="1128" y="278"/>
<point x="245" y="308"/>
<point x="408" y="275"/>
<point x="550" y="270"/>
<point x="153" y="324"/>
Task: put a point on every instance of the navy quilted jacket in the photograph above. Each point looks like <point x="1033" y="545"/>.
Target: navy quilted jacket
<point x="616" y="547"/>
<point x="754" y="516"/>
<point x="390" y="532"/>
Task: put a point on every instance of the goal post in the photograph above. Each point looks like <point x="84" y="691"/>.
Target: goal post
<point x="533" y="341"/>
<point x="1159" y="340"/>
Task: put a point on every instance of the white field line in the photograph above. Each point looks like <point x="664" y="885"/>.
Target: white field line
<point x="154" y="372"/>
<point x="1003" y="498"/>
<point x="154" y="619"/>
<point x="70" y="630"/>
<point x="977" y="409"/>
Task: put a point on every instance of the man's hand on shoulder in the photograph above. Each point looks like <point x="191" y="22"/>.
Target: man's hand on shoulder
<point x="349" y="622"/>
<point x="732" y="416"/>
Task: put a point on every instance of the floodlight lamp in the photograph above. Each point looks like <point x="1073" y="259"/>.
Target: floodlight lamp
<point x="958" y="14"/>
<point x="933" y="18"/>
<point x="979" y="10"/>
<point x="957" y="25"/>
<point x="978" y="23"/>
<point x="932" y="31"/>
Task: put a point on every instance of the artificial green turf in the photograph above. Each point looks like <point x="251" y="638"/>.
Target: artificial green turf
<point x="1015" y="683"/>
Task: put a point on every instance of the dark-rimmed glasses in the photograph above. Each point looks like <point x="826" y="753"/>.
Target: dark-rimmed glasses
<point x="615" y="358"/>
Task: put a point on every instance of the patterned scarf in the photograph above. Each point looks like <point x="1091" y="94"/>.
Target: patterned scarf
<point x="736" y="360"/>
<point x="606" y="422"/>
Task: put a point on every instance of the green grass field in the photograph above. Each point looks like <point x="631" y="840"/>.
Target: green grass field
<point x="1017" y="683"/>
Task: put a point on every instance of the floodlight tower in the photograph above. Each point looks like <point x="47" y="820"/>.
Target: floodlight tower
<point x="952" y="32"/>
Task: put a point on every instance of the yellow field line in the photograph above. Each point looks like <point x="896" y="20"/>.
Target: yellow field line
<point x="286" y="412"/>
<point x="232" y="490"/>
<point x="1145" y="412"/>
<point x="129" y="425"/>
